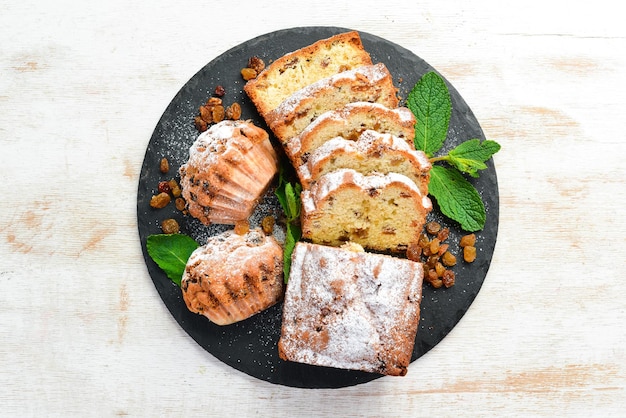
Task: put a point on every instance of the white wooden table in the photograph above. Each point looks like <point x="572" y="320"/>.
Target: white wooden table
<point x="83" y="331"/>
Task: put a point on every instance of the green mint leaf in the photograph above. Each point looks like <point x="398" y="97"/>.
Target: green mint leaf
<point x="292" y="196"/>
<point x="465" y="165"/>
<point x="289" y="198"/>
<point x="457" y="198"/>
<point x="471" y="155"/>
<point x="171" y="252"/>
<point x="476" y="150"/>
<point x="292" y="236"/>
<point x="280" y="189"/>
<point x="288" y="195"/>
<point x="430" y="102"/>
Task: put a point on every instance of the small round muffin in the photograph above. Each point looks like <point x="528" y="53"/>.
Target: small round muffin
<point x="230" y="166"/>
<point x="233" y="277"/>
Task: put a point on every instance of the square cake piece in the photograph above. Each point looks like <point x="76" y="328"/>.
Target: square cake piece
<point x="351" y="309"/>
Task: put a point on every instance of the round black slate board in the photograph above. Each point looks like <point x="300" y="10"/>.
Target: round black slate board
<point x="250" y="345"/>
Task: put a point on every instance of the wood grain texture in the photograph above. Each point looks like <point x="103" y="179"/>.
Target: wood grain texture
<point x="83" y="332"/>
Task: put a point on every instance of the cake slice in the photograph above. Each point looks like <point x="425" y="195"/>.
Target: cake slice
<point x="372" y="152"/>
<point x="350" y="310"/>
<point x="379" y="212"/>
<point x="299" y="68"/>
<point x="348" y="122"/>
<point x="369" y="83"/>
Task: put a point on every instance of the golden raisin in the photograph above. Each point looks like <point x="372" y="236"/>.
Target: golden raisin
<point x="414" y="252"/>
<point x="174" y="188"/>
<point x="213" y="101"/>
<point x="434" y="246"/>
<point x="160" y="200"/>
<point x="201" y="125"/>
<point x="448" y="278"/>
<point x="448" y="259"/>
<point x="433" y="279"/>
<point x="443" y="234"/>
<point x="248" y="73"/>
<point x="468" y="240"/>
<point x="432" y="261"/>
<point x="170" y="226"/>
<point x="233" y="112"/>
<point x="433" y="227"/>
<point x="442" y="249"/>
<point x="206" y="114"/>
<point x="424" y="241"/>
<point x="242" y="227"/>
<point x="218" y="113"/>
<point x="180" y="203"/>
<point x="256" y="64"/>
<point x="440" y="269"/>
<point x="267" y="224"/>
<point x="469" y="253"/>
<point x="164" y="166"/>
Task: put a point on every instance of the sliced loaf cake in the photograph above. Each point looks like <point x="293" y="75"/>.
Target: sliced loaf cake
<point x="369" y="83"/>
<point x="371" y="152"/>
<point x="348" y="122"/>
<point x="380" y="212"/>
<point x="297" y="69"/>
<point x="351" y="310"/>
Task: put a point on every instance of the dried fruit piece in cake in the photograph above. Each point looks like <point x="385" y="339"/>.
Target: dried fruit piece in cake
<point x="380" y="212"/>
<point x="348" y="122"/>
<point x="233" y="277"/>
<point x="299" y="68"/>
<point x="369" y="83"/>
<point x="230" y="166"/>
<point x="372" y="152"/>
<point x="351" y="310"/>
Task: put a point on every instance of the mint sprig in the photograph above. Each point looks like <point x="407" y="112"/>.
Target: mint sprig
<point x="288" y="195"/>
<point x="470" y="156"/>
<point x="430" y="102"/>
<point x="457" y="198"/>
<point x="171" y="252"/>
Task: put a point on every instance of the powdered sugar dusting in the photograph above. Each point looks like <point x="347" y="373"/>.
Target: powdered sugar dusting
<point x="351" y="307"/>
<point x="373" y="73"/>
<point x="330" y="182"/>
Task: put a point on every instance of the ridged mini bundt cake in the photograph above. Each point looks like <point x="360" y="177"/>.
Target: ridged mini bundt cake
<point x="233" y="277"/>
<point x="229" y="167"/>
